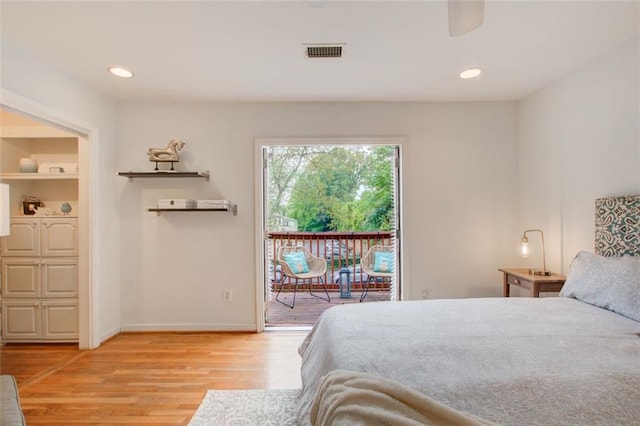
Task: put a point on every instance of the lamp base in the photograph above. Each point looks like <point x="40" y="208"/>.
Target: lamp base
<point x="539" y="272"/>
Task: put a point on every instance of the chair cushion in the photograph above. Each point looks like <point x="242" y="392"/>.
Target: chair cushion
<point x="297" y="262"/>
<point x="383" y="262"/>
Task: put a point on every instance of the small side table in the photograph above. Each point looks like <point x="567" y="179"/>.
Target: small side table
<point x="536" y="283"/>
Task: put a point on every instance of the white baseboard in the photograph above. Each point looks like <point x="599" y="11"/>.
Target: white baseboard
<point x="109" y="334"/>
<point x="189" y="327"/>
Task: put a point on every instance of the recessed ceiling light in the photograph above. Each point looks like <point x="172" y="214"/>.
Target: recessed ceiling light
<point x="470" y="73"/>
<point x="121" y="72"/>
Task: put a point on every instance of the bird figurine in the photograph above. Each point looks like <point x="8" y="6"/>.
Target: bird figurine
<point x="65" y="208"/>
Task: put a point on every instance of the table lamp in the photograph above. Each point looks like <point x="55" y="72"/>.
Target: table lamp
<point x="524" y="251"/>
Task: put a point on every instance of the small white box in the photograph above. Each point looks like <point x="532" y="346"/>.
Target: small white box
<point x="212" y="204"/>
<point x="176" y="203"/>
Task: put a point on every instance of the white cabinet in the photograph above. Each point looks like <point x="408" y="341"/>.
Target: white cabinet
<point x="24" y="240"/>
<point x="33" y="320"/>
<point x="39" y="280"/>
<point x="47" y="237"/>
<point x="44" y="278"/>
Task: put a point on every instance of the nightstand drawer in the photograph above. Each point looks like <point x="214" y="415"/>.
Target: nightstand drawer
<point x="521" y="282"/>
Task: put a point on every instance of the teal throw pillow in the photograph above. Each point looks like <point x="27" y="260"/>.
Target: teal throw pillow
<point x="297" y="262"/>
<point x="383" y="262"/>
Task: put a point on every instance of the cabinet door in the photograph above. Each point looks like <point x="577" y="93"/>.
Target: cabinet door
<point x="21" y="320"/>
<point x="21" y="278"/>
<point x="24" y="239"/>
<point x="59" y="278"/>
<point x="59" y="237"/>
<point x="60" y="319"/>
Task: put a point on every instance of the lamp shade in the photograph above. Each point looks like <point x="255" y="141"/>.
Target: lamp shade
<point x="4" y="209"/>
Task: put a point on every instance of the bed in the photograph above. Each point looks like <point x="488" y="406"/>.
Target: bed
<point x="573" y="359"/>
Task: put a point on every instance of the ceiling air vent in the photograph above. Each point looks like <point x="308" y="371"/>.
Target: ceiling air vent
<point x="324" y="50"/>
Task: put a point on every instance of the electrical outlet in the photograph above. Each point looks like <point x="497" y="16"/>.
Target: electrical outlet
<point x="227" y="296"/>
<point x="425" y="294"/>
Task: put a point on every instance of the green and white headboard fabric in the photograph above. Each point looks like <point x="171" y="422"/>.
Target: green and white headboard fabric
<point x="618" y="226"/>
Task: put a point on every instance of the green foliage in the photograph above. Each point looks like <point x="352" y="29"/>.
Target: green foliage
<point x="345" y="188"/>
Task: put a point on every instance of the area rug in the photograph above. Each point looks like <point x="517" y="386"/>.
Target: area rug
<point x="254" y="407"/>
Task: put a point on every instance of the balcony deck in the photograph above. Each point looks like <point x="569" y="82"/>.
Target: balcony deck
<point x="339" y="249"/>
<point x="307" y="309"/>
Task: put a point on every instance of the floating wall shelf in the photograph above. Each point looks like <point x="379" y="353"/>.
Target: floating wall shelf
<point x="165" y="174"/>
<point x="233" y="208"/>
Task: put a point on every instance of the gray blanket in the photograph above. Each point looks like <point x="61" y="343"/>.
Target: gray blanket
<point x="518" y="361"/>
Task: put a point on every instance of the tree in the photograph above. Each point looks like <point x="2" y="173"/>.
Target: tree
<point x="378" y="200"/>
<point x="345" y="188"/>
<point x="330" y="180"/>
<point x="285" y="164"/>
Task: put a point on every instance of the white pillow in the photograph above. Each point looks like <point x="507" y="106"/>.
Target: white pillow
<point x="611" y="283"/>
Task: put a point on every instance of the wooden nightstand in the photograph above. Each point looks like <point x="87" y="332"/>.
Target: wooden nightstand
<point x="536" y="283"/>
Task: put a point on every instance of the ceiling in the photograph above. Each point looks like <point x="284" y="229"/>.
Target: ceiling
<point x="223" y="51"/>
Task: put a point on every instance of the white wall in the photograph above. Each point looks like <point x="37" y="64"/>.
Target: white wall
<point x="578" y="141"/>
<point x="459" y="201"/>
<point x="48" y="89"/>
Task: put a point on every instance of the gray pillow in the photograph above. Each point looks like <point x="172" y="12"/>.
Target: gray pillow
<point x="611" y="283"/>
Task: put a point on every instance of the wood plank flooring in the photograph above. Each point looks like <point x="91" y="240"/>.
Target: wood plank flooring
<point x="146" y="378"/>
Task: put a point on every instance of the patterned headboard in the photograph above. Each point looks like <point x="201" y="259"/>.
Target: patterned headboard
<point x="618" y="226"/>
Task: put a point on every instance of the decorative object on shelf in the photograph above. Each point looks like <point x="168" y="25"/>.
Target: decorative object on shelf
<point x="58" y="168"/>
<point x="65" y="208"/>
<point x="30" y="205"/>
<point x="4" y="209"/>
<point x="45" y="211"/>
<point x="524" y="251"/>
<point x="166" y="155"/>
<point x="180" y="203"/>
<point x="28" y="165"/>
<point x="212" y="204"/>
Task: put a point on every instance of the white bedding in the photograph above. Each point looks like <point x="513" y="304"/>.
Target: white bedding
<point x="518" y="361"/>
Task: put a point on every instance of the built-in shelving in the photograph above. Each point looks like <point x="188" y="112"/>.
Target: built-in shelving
<point x="37" y="176"/>
<point x="165" y="174"/>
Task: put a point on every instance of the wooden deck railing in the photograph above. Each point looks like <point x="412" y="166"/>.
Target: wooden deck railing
<point x="338" y="248"/>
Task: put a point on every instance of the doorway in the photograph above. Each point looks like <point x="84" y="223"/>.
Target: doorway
<point x="338" y="198"/>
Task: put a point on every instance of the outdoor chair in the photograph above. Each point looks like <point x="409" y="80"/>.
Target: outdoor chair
<point x="377" y="263"/>
<point x="298" y="263"/>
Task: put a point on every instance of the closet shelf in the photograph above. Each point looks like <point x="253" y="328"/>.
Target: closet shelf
<point x="37" y="176"/>
<point x="165" y="174"/>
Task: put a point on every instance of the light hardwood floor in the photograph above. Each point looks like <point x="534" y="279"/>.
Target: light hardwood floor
<point x="146" y="378"/>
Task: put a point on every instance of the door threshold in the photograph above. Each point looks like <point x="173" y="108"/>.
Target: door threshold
<point x="287" y="328"/>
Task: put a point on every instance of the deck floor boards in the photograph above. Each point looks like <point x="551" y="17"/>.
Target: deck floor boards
<point x="308" y="309"/>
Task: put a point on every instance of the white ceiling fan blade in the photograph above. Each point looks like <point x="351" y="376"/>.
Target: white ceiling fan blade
<point x="465" y="16"/>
